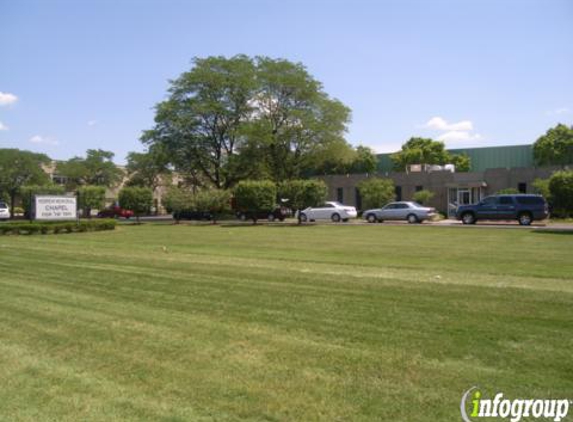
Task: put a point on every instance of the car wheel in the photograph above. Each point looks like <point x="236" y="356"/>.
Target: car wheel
<point x="303" y="218"/>
<point x="335" y="218"/>
<point x="271" y="217"/>
<point x="243" y="216"/>
<point x="468" y="218"/>
<point x="524" y="219"/>
<point x="412" y="219"/>
<point x="371" y="218"/>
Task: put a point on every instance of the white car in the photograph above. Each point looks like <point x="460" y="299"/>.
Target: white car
<point x="334" y="211"/>
<point x="4" y="211"/>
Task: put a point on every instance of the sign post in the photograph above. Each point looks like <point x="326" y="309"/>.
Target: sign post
<point x="55" y="207"/>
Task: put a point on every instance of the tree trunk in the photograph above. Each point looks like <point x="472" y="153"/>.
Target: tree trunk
<point x="12" y="199"/>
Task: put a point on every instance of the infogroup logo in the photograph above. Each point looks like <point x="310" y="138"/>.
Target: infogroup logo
<point x="512" y="409"/>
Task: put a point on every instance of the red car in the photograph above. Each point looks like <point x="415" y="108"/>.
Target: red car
<point x="115" y="212"/>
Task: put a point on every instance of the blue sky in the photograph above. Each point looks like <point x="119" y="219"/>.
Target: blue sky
<point x="86" y="74"/>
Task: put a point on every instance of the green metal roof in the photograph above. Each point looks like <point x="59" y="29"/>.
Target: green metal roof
<point x="484" y="158"/>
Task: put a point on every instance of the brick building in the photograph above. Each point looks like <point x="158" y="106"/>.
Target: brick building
<point x="492" y="169"/>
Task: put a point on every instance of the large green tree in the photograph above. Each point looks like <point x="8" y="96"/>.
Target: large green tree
<point x="555" y="147"/>
<point x="364" y="161"/>
<point x="19" y="168"/>
<point x="231" y="118"/>
<point x="200" y="125"/>
<point x="96" y="169"/>
<point x="427" y="151"/>
<point x="294" y="118"/>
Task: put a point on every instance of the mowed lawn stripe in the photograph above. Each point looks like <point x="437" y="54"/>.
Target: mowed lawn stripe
<point x="179" y="339"/>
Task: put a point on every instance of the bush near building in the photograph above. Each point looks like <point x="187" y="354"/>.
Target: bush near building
<point x="139" y="200"/>
<point x="303" y="193"/>
<point x="376" y="192"/>
<point x="561" y="191"/>
<point x="423" y="196"/>
<point x="253" y="197"/>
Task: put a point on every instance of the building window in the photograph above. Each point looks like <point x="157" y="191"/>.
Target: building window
<point x="358" y="199"/>
<point x="340" y="195"/>
<point x="419" y="188"/>
<point x="59" y="180"/>
<point x="398" y="193"/>
<point x="522" y="187"/>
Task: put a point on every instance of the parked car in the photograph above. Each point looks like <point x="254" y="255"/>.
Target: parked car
<point x="4" y="211"/>
<point x="334" y="211"/>
<point x="278" y="213"/>
<point x="115" y="212"/>
<point x="412" y="212"/>
<point x="523" y="208"/>
<point x="192" y="215"/>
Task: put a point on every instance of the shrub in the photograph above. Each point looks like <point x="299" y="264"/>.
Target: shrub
<point x="376" y="192"/>
<point x="561" y="190"/>
<point x="216" y="202"/>
<point x="303" y="193"/>
<point x="541" y="187"/>
<point x="176" y="200"/>
<point x="139" y="200"/>
<point x="423" y="196"/>
<point x="253" y="197"/>
<point x="46" y="227"/>
<point x="91" y="197"/>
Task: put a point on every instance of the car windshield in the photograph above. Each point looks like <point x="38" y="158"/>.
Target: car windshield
<point x="336" y="203"/>
<point x="417" y="205"/>
<point x="3" y="205"/>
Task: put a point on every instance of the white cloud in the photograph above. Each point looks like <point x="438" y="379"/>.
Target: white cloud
<point x="6" y="98"/>
<point x="438" y="123"/>
<point x="3" y="126"/>
<point x="459" y="136"/>
<point x="37" y="139"/>
<point x="92" y="122"/>
<point x="458" y="132"/>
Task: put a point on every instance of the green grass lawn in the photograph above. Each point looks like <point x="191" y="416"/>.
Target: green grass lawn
<point x="276" y="323"/>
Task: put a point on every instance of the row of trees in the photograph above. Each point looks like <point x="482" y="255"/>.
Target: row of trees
<point x="250" y="196"/>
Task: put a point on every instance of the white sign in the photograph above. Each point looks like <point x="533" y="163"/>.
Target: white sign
<point x="51" y="207"/>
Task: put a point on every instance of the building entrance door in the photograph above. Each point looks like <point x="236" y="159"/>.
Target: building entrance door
<point x="462" y="196"/>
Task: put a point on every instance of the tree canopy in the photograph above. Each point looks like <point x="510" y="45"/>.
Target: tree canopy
<point x="555" y="147"/>
<point x="226" y="114"/>
<point x="427" y="151"/>
<point x="19" y="168"/>
<point x="145" y="169"/>
<point x="96" y="169"/>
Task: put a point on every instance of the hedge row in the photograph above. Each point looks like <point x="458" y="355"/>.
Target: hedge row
<point x="56" y="227"/>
